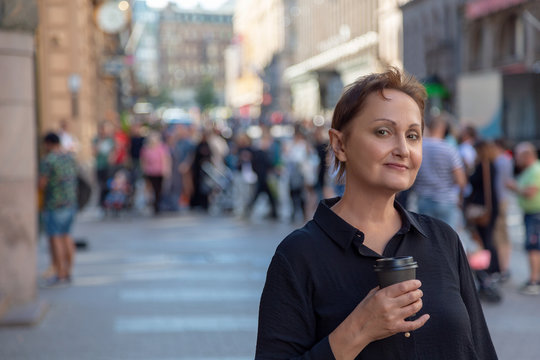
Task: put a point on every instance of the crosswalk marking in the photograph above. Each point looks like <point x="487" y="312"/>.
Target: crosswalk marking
<point x="188" y="294"/>
<point x="168" y="324"/>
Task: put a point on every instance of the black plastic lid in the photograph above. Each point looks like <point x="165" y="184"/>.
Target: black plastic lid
<point x="406" y="262"/>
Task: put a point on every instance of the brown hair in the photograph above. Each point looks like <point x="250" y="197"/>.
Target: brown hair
<point x="353" y="100"/>
<point x="485" y="150"/>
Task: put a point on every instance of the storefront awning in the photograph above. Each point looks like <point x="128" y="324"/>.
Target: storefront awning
<point x="332" y="55"/>
<point x="480" y="8"/>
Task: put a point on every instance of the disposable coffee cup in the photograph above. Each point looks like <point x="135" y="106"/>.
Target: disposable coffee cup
<point x="395" y="270"/>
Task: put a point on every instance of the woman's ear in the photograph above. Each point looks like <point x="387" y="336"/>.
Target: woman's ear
<point x="337" y="144"/>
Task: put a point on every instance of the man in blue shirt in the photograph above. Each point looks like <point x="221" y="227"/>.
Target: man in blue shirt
<point x="441" y="176"/>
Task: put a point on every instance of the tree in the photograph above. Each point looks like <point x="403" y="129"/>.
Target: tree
<point x="206" y="95"/>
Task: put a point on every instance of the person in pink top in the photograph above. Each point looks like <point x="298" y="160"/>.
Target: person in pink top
<point x="155" y="164"/>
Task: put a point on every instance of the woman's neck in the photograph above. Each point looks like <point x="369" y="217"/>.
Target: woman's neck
<point x="364" y="208"/>
<point x="374" y="215"/>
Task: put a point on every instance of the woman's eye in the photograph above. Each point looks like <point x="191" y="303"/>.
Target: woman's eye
<point x="414" y="136"/>
<point x="382" y="132"/>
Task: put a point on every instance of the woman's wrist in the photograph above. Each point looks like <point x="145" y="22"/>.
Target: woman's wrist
<point x="347" y="342"/>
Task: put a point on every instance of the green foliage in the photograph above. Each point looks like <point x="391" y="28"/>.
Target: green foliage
<point x="206" y="95"/>
<point x="124" y="121"/>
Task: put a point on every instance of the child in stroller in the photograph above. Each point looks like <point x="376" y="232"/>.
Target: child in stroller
<point x="118" y="197"/>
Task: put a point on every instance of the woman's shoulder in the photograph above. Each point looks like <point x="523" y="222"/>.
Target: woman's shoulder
<point x="301" y="242"/>
<point x="432" y="227"/>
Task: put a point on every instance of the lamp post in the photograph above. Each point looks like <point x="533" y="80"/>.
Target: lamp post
<point x="74" y="85"/>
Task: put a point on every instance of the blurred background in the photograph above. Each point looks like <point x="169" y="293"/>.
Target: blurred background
<point x="225" y="76"/>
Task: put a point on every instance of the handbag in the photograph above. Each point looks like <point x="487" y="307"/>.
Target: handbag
<point x="479" y="258"/>
<point x="478" y="214"/>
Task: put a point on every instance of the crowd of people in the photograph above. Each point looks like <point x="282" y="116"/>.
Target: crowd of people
<point x="468" y="181"/>
<point x="186" y="167"/>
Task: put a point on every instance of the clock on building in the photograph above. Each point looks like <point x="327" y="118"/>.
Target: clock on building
<point x="110" y="18"/>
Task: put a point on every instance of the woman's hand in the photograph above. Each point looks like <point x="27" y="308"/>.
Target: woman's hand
<point x="381" y="314"/>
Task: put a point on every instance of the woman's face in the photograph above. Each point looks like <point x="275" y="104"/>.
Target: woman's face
<point x="382" y="146"/>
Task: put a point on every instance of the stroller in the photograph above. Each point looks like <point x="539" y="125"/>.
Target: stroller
<point x="119" y="196"/>
<point x="218" y="184"/>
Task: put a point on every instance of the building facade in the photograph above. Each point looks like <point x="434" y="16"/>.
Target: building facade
<point x="432" y="47"/>
<point x="191" y="45"/>
<point x="500" y="84"/>
<point x="73" y="86"/>
<point x="296" y="56"/>
<point x="263" y="47"/>
<point x="144" y="46"/>
<point x="337" y="41"/>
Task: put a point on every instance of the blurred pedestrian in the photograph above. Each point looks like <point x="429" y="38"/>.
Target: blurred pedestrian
<point x="482" y="222"/>
<point x="466" y="139"/>
<point x="218" y="147"/>
<point x="119" y="156"/>
<point x="504" y="166"/>
<point x="58" y="181"/>
<point x="68" y="141"/>
<point x="182" y="151"/>
<point x="302" y="164"/>
<point x="527" y="186"/>
<point x="321" y="147"/>
<point x="155" y="164"/>
<point x="321" y="299"/>
<point x="201" y="189"/>
<point x="244" y="178"/>
<point x="103" y="147"/>
<point x="136" y="142"/>
<point x="262" y="166"/>
<point x="441" y="177"/>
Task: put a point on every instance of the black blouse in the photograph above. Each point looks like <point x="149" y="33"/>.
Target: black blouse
<point x="321" y="272"/>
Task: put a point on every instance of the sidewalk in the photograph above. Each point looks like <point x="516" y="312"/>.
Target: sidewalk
<point x="173" y="287"/>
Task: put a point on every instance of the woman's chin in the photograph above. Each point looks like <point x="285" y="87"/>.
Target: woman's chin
<point x="399" y="187"/>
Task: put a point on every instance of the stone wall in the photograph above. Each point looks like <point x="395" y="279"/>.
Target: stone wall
<point x="18" y="154"/>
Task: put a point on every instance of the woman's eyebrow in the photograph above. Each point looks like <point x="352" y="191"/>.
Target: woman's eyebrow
<point x="394" y="123"/>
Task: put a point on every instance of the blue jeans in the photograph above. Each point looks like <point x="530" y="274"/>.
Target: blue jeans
<point x="447" y="212"/>
<point x="59" y="221"/>
<point x="532" y="229"/>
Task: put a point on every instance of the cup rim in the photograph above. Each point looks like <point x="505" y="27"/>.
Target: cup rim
<point x="398" y="262"/>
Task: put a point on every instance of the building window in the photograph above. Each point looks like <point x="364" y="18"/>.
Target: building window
<point x="510" y="40"/>
<point x="475" y="47"/>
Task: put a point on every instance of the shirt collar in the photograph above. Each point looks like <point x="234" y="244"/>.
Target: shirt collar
<point x="344" y="233"/>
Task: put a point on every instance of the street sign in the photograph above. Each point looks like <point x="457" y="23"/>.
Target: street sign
<point x="114" y="66"/>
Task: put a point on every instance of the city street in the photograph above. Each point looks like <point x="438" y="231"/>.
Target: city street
<point x="187" y="286"/>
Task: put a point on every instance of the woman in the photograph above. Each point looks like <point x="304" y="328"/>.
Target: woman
<point x="156" y="165"/>
<point x="484" y="193"/>
<point x="321" y="299"/>
<point x="103" y="148"/>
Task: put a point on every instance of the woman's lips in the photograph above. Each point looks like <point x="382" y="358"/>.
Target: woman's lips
<point x="397" y="166"/>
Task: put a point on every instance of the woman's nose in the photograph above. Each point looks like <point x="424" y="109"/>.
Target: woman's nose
<point x="401" y="147"/>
